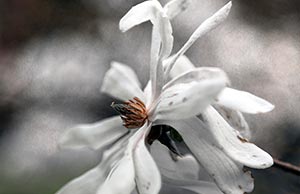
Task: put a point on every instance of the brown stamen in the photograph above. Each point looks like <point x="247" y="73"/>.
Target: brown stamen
<point x="132" y="112"/>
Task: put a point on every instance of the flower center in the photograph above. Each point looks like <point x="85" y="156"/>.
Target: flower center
<point x="132" y="112"/>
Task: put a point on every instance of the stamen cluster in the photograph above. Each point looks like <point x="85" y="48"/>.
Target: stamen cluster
<point x="132" y="112"/>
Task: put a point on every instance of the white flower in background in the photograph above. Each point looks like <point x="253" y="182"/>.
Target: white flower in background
<point x="178" y="96"/>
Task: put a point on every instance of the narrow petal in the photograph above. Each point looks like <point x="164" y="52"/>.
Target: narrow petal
<point x="235" y="119"/>
<point x="208" y="25"/>
<point x="95" y="136"/>
<point x="184" y="98"/>
<point x="148" y="178"/>
<point x="121" y="82"/>
<point x="156" y="69"/>
<point x="228" y="175"/>
<point x="233" y="144"/>
<point x="162" y="38"/>
<point x="140" y="13"/>
<point x="175" y="7"/>
<point x="243" y="101"/>
<point x="166" y="31"/>
<point x="161" y="47"/>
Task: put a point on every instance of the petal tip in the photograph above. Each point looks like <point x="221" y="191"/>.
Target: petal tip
<point x="228" y="6"/>
<point x="265" y="161"/>
<point x="122" y="26"/>
<point x="270" y="107"/>
<point x="268" y="163"/>
<point x="267" y="108"/>
<point x="226" y="9"/>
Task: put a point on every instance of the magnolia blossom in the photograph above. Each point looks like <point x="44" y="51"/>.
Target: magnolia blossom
<point x="178" y="96"/>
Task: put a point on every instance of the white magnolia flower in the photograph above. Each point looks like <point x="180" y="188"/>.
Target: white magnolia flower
<point x="176" y="93"/>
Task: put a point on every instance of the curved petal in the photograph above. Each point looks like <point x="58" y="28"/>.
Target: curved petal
<point x="145" y="11"/>
<point x="148" y="178"/>
<point x="185" y="167"/>
<point x="208" y="25"/>
<point x="233" y="144"/>
<point x="95" y="136"/>
<point x="161" y="47"/>
<point x="120" y="179"/>
<point x="235" y="119"/>
<point x="150" y="11"/>
<point x="228" y="175"/>
<point x="121" y="82"/>
<point x="243" y="101"/>
<point x="174" y="7"/>
<point x="125" y="172"/>
<point x="89" y="182"/>
<point x="183" y="100"/>
<point x="162" y="38"/>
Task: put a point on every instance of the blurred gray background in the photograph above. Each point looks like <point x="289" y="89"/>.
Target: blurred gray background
<point x="54" y="53"/>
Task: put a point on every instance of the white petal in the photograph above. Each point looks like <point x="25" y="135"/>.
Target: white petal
<point x="150" y="11"/>
<point x="148" y="178"/>
<point x="140" y="13"/>
<point x="162" y="38"/>
<point x="148" y="94"/>
<point x="174" y="7"/>
<point x="200" y="187"/>
<point x="243" y="101"/>
<point x="182" y="65"/>
<point x="166" y="31"/>
<point x="89" y="182"/>
<point x="185" y="167"/>
<point x="235" y="119"/>
<point x="188" y="167"/>
<point x="156" y="69"/>
<point x="121" y="82"/>
<point x="208" y="25"/>
<point x="184" y="100"/>
<point x="161" y="47"/>
<point x="95" y="136"/>
<point x="233" y="144"/>
<point x="198" y="74"/>
<point x="228" y="175"/>
<point x="120" y="180"/>
<point x="85" y="184"/>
